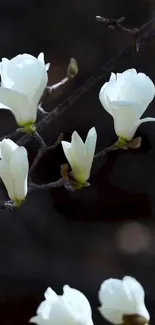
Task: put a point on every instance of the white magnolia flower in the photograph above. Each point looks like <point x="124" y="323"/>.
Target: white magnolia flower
<point x="23" y="80"/>
<point x="122" y="297"/>
<point x="126" y="97"/>
<point x="80" y="155"/>
<point x="14" y="168"/>
<point x="72" y="308"/>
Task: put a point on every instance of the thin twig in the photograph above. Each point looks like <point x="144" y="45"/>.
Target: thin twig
<point x="58" y="84"/>
<point x="42" y="151"/>
<point x="8" y="205"/>
<point x="117" y="24"/>
<point x="105" y="151"/>
<point x="47" y="186"/>
<point x="38" y="137"/>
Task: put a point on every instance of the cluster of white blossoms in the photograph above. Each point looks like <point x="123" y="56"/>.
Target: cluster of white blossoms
<point x="119" y="300"/>
<point x="23" y="80"/>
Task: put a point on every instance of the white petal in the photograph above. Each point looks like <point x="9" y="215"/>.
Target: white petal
<point x="125" y="119"/>
<point x="19" y="167"/>
<point x="146" y="119"/>
<point x="113" y="315"/>
<point x="134" y="287"/>
<point x="41" y="58"/>
<point x="108" y="90"/>
<point x="114" y="300"/>
<point x="37" y="320"/>
<point x="7" y="146"/>
<point x="81" y="169"/>
<point x="31" y="79"/>
<point x="78" y="148"/>
<point x="50" y="295"/>
<point x="78" y="165"/>
<point x="137" y="296"/>
<point x="90" y="145"/>
<point x="68" y="152"/>
<point x="5" y="80"/>
<point x="126" y="76"/>
<point x="77" y="303"/>
<point x="23" y="110"/>
<point x="44" y="309"/>
<point x="47" y="66"/>
<point x="28" y="74"/>
<point x="7" y="178"/>
<point x="137" y="88"/>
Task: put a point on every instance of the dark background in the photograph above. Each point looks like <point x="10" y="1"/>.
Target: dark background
<point x="107" y="230"/>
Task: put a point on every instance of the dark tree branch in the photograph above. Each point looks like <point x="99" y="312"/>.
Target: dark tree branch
<point x="44" y="149"/>
<point x="92" y="81"/>
<point x="10" y="136"/>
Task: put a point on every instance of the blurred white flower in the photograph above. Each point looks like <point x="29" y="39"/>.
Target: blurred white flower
<point x="71" y="308"/>
<point x="23" y="80"/>
<point x="80" y="155"/>
<point x="14" y="168"/>
<point x="126" y="97"/>
<point x="122" y="297"/>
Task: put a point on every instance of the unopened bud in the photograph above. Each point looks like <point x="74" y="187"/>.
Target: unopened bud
<point x="72" y="70"/>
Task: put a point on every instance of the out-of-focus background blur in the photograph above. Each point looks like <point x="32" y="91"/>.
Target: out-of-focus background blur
<point x="107" y="230"/>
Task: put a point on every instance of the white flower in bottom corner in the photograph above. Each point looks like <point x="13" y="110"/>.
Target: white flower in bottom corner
<point x="125" y="97"/>
<point x="80" y="155"/>
<point x="122" y="297"/>
<point x="71" y="308"/>
<point x="14" y="169"/>
<point x="23" y="80"/>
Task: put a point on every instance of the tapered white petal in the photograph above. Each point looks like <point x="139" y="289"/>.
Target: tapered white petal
<point x="122" y="297"/>
<point x="77" y="145"/>
<point x="139" y="89"/>
<point x="80" y="169"/>
<point x="23" y="110"/>
<point x="5" y="80"/>
<point x="47" y="66"/>
<point x="108" y="92"/>
<point x="41" y="58"/>
<point x="7" y="179"/>
<point x="19" y="167"/>
<point x="77" y="303"/>
<point x="90" y="145"/>
<point x="125" y="120"/>
<point x="29" y="76"/>
<point x="50" y="295"/>
<point x="146" y="119"/>
<point x="7" y="146"/>
<point x="68" y="152"/>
